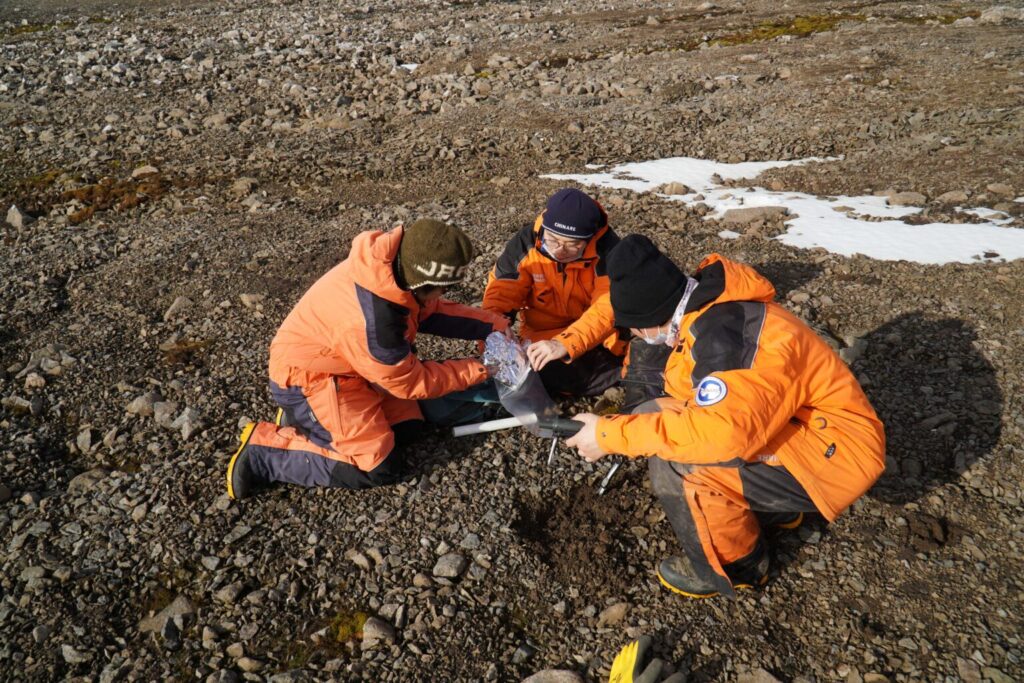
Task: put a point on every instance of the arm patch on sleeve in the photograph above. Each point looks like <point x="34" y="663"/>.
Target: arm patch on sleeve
<point x="386" y="323"/>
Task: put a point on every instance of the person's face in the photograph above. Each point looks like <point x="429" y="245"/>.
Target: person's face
<point x="652" y="335"/>
<point x="426" y="295"/>
<point x="563" y="249"/>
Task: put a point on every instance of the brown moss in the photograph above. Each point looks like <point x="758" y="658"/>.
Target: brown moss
<point x="182" y="352"/>
<point x="34" y="194"/>
<point x="129" y="465"/>
<point x="342" y="628"/>
<point x="119" y="195"/>
<point x="159" y="598"/>
<point x="42" y="181"/>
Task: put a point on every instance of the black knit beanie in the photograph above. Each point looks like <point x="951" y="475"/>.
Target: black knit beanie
<point x="645" y="285"/>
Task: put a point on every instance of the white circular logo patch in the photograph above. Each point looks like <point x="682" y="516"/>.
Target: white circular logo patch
<point x="710" y="391"/>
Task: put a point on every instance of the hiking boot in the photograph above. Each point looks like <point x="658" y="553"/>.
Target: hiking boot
<point x="793" y="522"/>
<point x="242" y="481"/>
<point x="780" y="520"/>
<point x="282" y="419"/>
<point x="677" y="574"/>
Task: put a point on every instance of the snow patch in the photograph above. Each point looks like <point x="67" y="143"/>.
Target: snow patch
<point x="837" y="224"/>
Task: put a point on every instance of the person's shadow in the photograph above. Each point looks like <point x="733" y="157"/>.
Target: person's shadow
<point x="788" y="276"/>
<point x="938" y="398"/>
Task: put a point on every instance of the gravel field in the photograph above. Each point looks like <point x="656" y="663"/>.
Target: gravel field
<point x="181" y="171"/>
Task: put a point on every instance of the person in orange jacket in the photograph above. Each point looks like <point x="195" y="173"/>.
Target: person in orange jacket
<point x="762" y="423"/>
<point x="344" y="371"/>
<point x="553" y="272"/>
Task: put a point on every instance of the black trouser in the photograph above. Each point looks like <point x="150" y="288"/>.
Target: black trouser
<point x="311" y="469"/>
<point x="588" y="375"/>
<point x="645" y="373"/>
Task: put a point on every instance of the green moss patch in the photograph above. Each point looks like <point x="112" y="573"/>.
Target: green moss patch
<point x="944" y="19"/>
<point x="801" y="27"/>
<point x="343" y="627"/>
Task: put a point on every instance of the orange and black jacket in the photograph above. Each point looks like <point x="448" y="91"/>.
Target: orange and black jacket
<point x="564" y="301"/>
<point x="750" y="382"/>
<point x="357" y="322"/>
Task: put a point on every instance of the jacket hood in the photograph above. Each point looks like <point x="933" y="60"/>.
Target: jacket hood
<point x="371" y="265"/>
<point x="721" y="280"/>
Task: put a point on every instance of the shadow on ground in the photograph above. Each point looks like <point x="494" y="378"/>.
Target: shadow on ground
<point x="788" y="276"/>
<point x="938" y="398"/>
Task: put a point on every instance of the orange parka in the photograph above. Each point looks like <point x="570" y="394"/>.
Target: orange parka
<point x="564" y="301"/>
<point x="358" y="324"/>
<point x="750" y="382"/>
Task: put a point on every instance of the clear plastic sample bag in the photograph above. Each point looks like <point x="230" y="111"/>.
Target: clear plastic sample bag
<point x="519" y="388"/>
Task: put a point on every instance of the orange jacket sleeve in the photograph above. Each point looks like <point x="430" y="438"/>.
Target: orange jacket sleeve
<point x="410" y="377"/>
<point x="757" y="404"/>
<point x="594" y="326"/>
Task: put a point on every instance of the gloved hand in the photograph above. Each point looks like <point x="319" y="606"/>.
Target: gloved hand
<point x="633" y="664"/>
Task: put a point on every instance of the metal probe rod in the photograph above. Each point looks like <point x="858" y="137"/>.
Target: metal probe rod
<point x="490" y="426"/>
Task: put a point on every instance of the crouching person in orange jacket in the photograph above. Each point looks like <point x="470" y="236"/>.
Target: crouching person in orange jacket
<point x="344" y="371"/>
<point x="762" y="421"/>
<point x="553" y="271"/>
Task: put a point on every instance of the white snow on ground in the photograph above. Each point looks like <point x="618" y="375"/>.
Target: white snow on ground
<point x="835" y="223"/>
<point x="409" y="67"/>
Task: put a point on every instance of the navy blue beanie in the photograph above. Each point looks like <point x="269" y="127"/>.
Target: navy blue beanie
<point x="571" y="213"/>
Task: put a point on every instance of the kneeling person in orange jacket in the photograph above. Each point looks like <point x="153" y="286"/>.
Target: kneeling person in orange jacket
<point x="344" y="371"/>
<point x="554" y="272"/>
<point x="762" y="421"/>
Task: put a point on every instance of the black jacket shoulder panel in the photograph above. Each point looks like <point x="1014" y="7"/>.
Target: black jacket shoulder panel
<point x="712" y="285"/>
<point x="516" y="249"/>
<point x="386" y="323"/>
<point x="726" y="337"/>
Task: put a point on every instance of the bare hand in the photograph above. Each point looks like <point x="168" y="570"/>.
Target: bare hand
<point x="585" y="441"/>
<point x="543" y="352"/>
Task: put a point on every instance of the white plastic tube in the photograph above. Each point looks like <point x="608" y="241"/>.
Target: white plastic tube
<point x="491" y="426"/>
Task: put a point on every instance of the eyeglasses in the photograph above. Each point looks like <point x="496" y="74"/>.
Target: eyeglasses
<point x="571" y="246"/>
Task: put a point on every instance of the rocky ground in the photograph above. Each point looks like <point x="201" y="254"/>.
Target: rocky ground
<point x="181" y="171"/>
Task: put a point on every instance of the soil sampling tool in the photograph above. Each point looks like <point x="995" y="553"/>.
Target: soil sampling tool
<point x="603" y="486"/>
<point x="554" y="427"/>
<point x="559" y="427"/>
<point x="545" y="427"/>
<point x="522" y="394"/>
